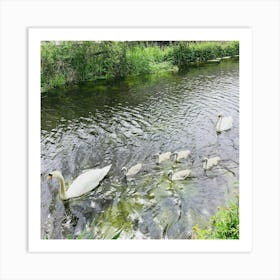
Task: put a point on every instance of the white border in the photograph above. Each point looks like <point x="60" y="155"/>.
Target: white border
<point x="262" y="16"/>
<point x="244" y="244"/>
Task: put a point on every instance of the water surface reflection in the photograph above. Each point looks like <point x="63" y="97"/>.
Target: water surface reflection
<point x="128" y="122"/>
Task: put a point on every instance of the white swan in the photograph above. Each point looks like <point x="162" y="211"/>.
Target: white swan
<point x="180" y="155"/>
<point x="82" y="184"/>
<point x="132" y="170"/>
<point x="208" y="163"/>
<point x="179" y="175"/>
<point x="162" y="157"/>
<point x="223" y="123"/>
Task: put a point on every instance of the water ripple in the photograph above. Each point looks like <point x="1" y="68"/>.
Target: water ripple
<point x="177" y="113"/>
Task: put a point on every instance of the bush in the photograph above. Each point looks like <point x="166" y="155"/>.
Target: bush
<point x="184" y="53"/>
<point x="223" y="225"/>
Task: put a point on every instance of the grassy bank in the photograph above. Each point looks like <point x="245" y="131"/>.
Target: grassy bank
<point x="185" y="53"/>
<point x="223" y="225"/>
<point x="73" y="62"/>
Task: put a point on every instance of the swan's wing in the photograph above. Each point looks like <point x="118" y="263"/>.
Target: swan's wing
<point x="226" y="123"/>
<point x="183" y="154"/>
<point x="87" y="181"/>
<point x="185" y="173"/>
<point x="217" y="159"/>
<point x="177" y="177"/>
<point x="213" y="161"/>
<point x="181" y="175"/>
<point x="230" y="121"/>
<point x="218" y="126"/>
<point x="164" y="156"/>
<point x="134" y="169"/>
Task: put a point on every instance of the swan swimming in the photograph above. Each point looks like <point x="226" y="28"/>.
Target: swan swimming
<point x="162" y="157"/>
<point x="223" y="123"/>
<point x="132" y="170"/>
<point x="179" y="175"/>
<point x="180" y="155"/>
<point x="208" y="163"/>
<point x="82" y="184"/>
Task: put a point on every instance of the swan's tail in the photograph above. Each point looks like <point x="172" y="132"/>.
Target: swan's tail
<point x="107" y="168"/>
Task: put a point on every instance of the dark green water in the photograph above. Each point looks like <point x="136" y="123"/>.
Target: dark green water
<point x="128" y="122"/>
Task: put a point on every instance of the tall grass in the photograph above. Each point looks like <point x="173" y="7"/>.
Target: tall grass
<point x="143" y="60"/>
<point x="186" y="52"/>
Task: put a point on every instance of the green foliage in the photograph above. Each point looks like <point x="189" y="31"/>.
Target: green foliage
<point x="138" y="60"/>
<point x="69" y="62"/>
<point x="223" y="225"/>
<point x="117" y="235"/>
<point x="189" y="52"/>
<point x="144" y="60"/>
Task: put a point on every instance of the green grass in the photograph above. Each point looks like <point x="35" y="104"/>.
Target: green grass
<point x="187" y="52"/>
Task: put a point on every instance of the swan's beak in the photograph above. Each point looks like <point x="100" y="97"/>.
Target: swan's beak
<point x="50" y="176"/>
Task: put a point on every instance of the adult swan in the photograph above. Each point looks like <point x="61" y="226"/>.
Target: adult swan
<point x="223" y="123"/>
<point x="82" y="184"/>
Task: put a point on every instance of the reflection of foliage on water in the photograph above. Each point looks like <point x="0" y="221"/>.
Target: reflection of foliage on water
<point x="147" y="208"/>
<point x="120" y="217"/>
<point x="165" y="202"/>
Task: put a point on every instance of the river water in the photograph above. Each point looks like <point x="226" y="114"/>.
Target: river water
<point x="126" y="122"/>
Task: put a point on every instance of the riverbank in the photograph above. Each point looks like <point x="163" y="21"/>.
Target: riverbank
<point x="72" y="62"/>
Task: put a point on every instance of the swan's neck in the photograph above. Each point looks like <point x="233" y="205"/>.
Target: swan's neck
<point x="124" y="171"/>
<point x="219" y="123"/>
<point x="157" y="159"/>
<point x="62" y="190"/>
<point x="205" y="164"/>
<point x="169" y="175"/>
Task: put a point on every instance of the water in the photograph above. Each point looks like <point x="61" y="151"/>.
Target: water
<point x="124" y="123"/>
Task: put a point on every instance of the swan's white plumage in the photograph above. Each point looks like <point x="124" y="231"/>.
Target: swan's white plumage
<point x="82" y="184"/>
<point x="132" y="170"/>
<point x="208" y="163"/>
<point x="162" y="157"/>
<point x="223" y="123"/>
<point x="179" y="175"/>
<point x="180" y="155"/>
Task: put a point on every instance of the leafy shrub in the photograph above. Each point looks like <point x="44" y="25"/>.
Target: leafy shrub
<point x="223" y="225"/>
<point x="184" y="53"/>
